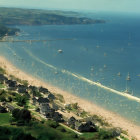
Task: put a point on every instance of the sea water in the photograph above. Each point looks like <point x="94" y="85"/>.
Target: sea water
<point x="96" y="52"/>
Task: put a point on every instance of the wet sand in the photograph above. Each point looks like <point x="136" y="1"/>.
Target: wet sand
<point x="110" y="117"/>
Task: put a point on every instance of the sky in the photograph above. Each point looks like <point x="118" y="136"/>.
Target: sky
<point x="131" y="6"/>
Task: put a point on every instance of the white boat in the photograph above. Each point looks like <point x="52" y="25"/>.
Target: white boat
<point x="92" y="68"/>
<point x="105" y="66"/>
<point x="60" y="51"/>
<point x="128" y="77"/>
<point x="55" y="72"/>
<point x="119" y="74"/>
<point x="127" y="91"/>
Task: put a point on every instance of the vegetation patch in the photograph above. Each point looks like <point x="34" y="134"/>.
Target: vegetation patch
<point x="2" y="71"/>
<point x="60" y="98"/>
<point x="2" y="86"/>
<point x="5" y="118"/>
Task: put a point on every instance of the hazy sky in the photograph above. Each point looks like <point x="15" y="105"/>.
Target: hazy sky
<point x="98" y="5"/>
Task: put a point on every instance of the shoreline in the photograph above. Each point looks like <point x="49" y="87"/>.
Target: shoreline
<point x="110" y="117"/>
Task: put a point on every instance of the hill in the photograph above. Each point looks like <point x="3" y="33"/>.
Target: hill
<point x="7" y="31"/>
<point x="17" y="16"/>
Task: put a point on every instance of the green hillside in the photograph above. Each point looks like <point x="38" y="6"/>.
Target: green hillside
<point x="16" y="16"/>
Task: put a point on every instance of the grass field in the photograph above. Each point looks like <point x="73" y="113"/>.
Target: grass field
<point x="87" y="135"/>
<point x="2" y="86"/>
<point x="5" y="118"/>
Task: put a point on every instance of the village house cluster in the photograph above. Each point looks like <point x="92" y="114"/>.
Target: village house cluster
<point x="46" y="105"/>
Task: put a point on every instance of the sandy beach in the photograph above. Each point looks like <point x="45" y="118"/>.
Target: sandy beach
<point x="112" y="118"/>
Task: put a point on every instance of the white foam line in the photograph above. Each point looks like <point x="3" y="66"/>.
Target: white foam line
<point x="87" y="80"/>
<point x="30" y="54"/>
<point x="107" y="88"/>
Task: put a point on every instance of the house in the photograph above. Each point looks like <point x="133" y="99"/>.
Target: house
<point x="45" y="108"/>
<point x="51" y="96"/>
<point x="22" y="88"/>
<point x="55" y="106"/>
<point x="2" y="109"/>
<point x="85" y="126"/>
<point x="116" y="132"/>
<point x="71" y="121"/>
<point x="67" y="106"/>
<point x="3" y="103"/>
<point x="57" y="117"/>
<point x="43" y="100"/>
<point x="9" y="107"/>
<point x="43" y="90"/>
<point x="50" y="113"/>
<point x="33" y="88"/>
<point x="11" y="84"/>
<point x="3" y="79"/>
<point x="34" y="100"/>
<point x="37" y="110"/>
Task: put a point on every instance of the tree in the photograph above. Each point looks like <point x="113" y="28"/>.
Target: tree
<point x="10" y="99"/>
<point x="75" y="106"/>
<point x="2" y="98"/>
<point x="23" y="136"/>
<point x="25" y="115"/>
<point x="21" y="115"/>
<point x="16" y="113"/>
<point x="22" y="100"/>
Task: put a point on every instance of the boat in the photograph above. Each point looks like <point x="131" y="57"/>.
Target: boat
<point x="119" y="74"/>
<point x="128" y="77"/>
<point x="98" y="83"/>
<point x="60" y="51"/>
<point x="105" y="66"/>
<point x="92" y="68"/>
<point x="128" y="92"/>
<point x="55" y="72"/>
<point x="105" y="54"/>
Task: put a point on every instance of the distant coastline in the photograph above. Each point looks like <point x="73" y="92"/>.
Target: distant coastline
<point x="17" y="16"/>
<point x="112" y="118"/>
<point x="4" y="31"/>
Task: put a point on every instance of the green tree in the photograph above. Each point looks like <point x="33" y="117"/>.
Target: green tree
<point x="23" y="136"/>
<point x="22" y="100"/>
<point x="75" y="106"/>
<point x="21" y="115"/>
<point x="16" y="113"/>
